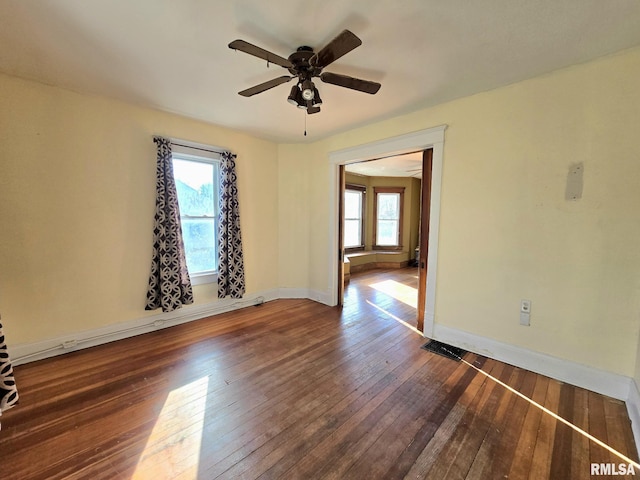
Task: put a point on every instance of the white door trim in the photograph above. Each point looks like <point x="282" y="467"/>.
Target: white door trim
<point x="410" y="142"/>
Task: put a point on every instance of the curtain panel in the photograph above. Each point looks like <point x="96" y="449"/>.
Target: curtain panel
<point x="169" y="283"/>
<point x="8" y="389"/>
<point x="230" y="257"/>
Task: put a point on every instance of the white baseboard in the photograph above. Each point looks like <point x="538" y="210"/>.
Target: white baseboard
<point x="24" y="353"/>
<point x="606" y="383"/>
<point x="30" y="352"/>
<point x="315" y="295"/>
<point x="633" y="409"/>
<point x="293" y="293"/>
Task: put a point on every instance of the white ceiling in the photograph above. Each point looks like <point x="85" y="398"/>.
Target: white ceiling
<point x="408" y="165"/>
<point x="173" y="55"/>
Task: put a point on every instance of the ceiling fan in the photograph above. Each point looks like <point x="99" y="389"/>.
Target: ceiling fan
<point x="304" y="65"/>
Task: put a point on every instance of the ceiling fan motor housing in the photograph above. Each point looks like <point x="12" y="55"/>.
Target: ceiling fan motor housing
<point x="301" y="67"/>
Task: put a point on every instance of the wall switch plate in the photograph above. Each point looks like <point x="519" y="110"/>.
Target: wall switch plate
<point x="525" y="312"/>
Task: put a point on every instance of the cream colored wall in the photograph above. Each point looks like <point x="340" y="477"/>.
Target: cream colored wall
<point x="506" y="230"/>
<point x="294" y="220"/>
<point x="77" y="193"/>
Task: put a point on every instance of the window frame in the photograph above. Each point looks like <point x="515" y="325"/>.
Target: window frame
<point x="376" y="192"/>
<point x="363" y="191"/>
<point x="202" y="154"/>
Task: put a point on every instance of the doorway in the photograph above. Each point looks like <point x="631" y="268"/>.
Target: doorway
<point x="430" y="139"/>
<point x="381" y="220"/>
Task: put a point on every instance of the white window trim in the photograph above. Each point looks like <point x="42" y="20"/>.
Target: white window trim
<point x="362" y="194"/>
<point x="196" y="152"/>
<point x="399" y="220"/>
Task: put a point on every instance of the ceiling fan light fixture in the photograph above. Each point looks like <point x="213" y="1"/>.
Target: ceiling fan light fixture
<point x="294" y="96"/>
<point x="317" y="101"/>
<point x="308" y="90"/>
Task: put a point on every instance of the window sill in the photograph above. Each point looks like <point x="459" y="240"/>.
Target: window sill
<point x="204" y="278"/>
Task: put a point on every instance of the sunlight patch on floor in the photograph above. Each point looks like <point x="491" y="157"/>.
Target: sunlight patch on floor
<point x="399" y="320"/>
<point x="173" y="447"/>
<point x="399" y="291"/>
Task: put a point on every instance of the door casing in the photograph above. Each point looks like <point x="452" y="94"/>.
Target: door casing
<point x="421" y="140"/>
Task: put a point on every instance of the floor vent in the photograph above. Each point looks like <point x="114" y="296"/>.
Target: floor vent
<point x="454" y="353"/>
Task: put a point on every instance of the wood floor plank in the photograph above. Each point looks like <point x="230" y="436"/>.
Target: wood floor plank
<point x="618" y="429"/>
<point x="298" y="390"/>
<point x="427" y="464"/>
<point x="442" y="419"/>
<point x="510" y="428"/>
<point x="345" y="435"/>
<point x="358" y="440"/>
<point x="523" y="455"/>
<point x="598" y="428"/>
<point x="563" y="440"/>
<point x="541" y="462"/>
<point x="402" y="442"/>
<point x="580" y="464"/>
<point x="489" y="449"/>
<point x="457" y="466"/>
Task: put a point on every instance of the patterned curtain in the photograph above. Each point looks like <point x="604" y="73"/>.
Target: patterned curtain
<point x="230" y="259"/>
<point x="8" y="390"/>
<point x="169" y="282"/>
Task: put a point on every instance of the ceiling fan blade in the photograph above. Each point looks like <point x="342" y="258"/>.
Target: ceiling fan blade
<point x="246" y="47"/>
<point x="350" y="82"/>
<point x="336" y="48"/>
<point x="265" y="86"/>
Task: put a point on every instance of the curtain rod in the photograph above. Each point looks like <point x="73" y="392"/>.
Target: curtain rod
<point x="198" y="148"/>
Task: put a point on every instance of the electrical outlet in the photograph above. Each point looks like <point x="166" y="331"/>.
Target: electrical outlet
<point x="525" y="306"/>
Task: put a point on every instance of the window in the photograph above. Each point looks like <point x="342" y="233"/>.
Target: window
<point x="354" y="201"/>
<point x="388" y="207"/>
<point x="196" y="176"/>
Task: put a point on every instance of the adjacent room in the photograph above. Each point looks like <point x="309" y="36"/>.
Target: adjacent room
<point x="233" y="231"/>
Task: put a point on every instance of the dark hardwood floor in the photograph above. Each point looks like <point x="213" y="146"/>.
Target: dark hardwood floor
<point x="297" y="390"/>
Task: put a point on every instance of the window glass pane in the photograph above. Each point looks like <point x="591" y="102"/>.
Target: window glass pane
<point x="387" y="232"/>
<point x="352" y="204"/>
<point x="388" y="206"/>
<point x="199" y="236"/>
<point x="352" y="233"/>
<point x="194" y="183"/>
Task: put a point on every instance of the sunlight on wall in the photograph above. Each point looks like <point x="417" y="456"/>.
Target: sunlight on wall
<point x="173" y="448"/>
<point x="399" y="291"/>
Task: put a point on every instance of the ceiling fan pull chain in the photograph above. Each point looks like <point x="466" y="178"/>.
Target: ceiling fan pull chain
<point x="305" y="124"/>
